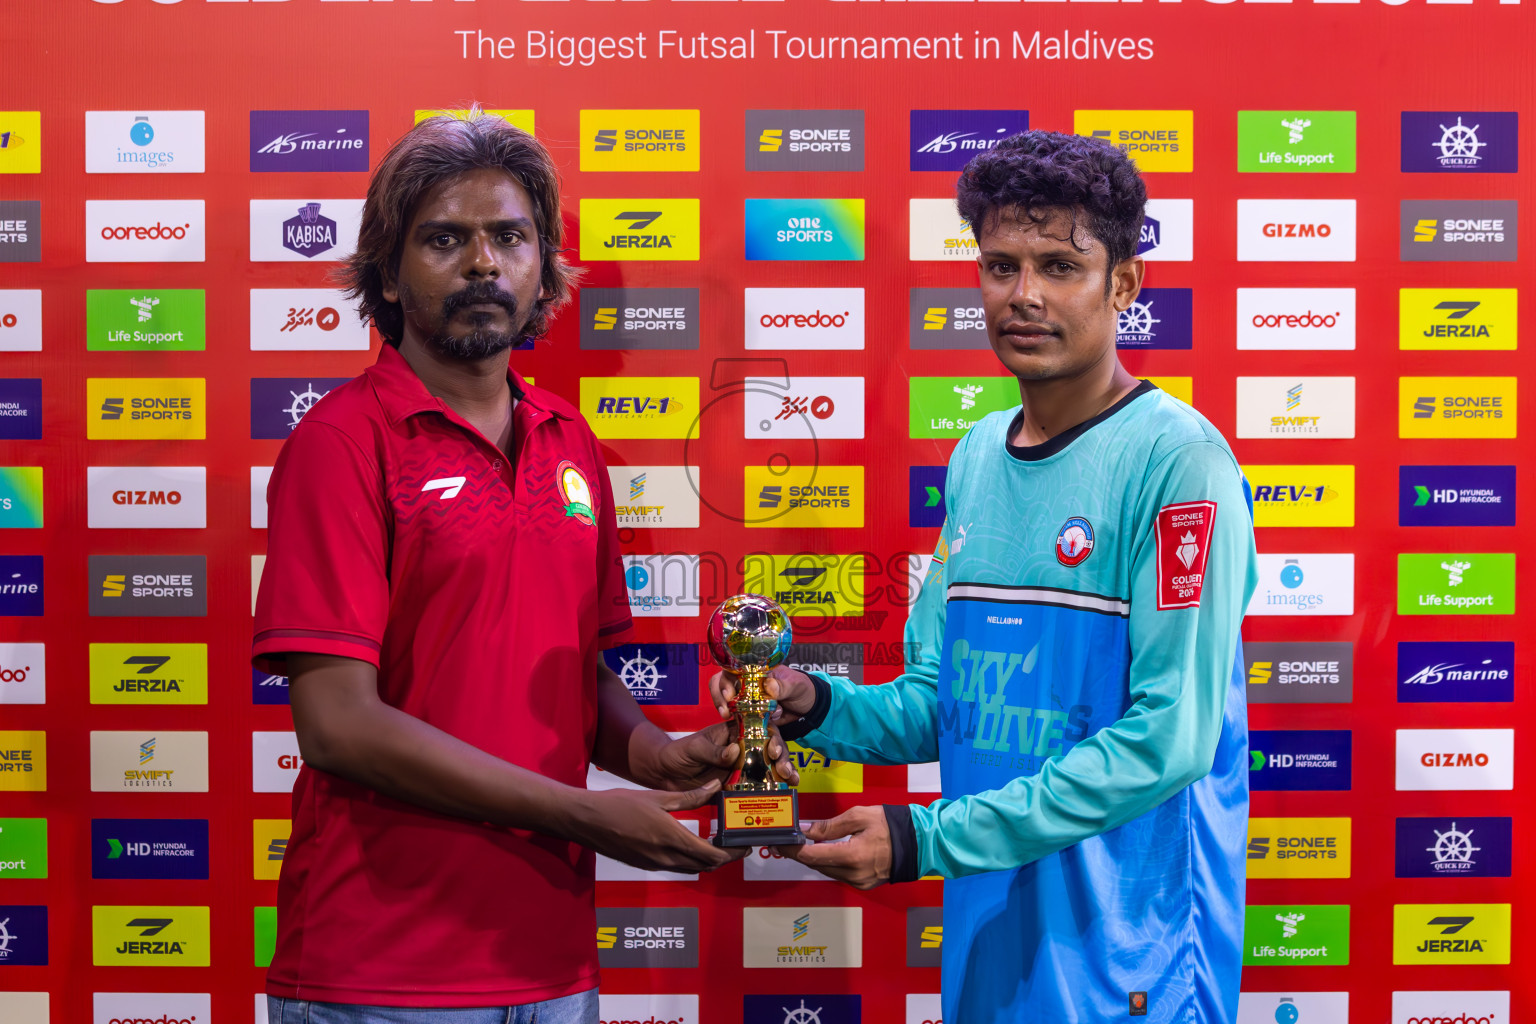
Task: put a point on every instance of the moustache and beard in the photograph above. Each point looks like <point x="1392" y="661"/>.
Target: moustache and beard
<point x="484" y="340"/>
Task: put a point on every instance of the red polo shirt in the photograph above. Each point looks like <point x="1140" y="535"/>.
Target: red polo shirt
<point x="481" y="588"/>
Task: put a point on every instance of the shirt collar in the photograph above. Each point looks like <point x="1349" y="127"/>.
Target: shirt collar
<point x="402" y="394"/>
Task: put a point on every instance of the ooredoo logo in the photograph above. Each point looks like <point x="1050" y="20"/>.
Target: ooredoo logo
<point x="1450" y="1007"/>
<point x="804" y="318"/>
<point x="1306" y="230"/>
<point x="144" y="231"/>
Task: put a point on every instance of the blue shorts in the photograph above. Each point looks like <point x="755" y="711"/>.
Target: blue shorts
<point x="580" y="1008"/>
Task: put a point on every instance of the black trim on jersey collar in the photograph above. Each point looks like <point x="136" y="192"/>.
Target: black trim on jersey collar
<point x="1044" y="450"/>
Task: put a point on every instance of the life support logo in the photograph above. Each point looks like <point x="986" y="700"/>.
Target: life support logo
<point x="575" y="492"/>
<point x="1074" y="541"/>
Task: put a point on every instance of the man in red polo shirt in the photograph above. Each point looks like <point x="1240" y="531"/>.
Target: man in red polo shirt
<point x="443" y="569"/>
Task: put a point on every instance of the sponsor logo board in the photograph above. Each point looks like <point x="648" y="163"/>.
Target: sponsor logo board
<point x="935" y="231"/>
<point x="1299" y="847"/>
<point x="1457" y="319"/>
<point x="1456" y="496"/>
<point x="23" y="674"/>
<point x="140" y="936"/>
<point x="1301" y="407"/>
<point x="1286" y="672"/>
<point x="809" y="584"/>
<point x="641" y="407"/>
<point x="949" y="406"/>
<point x="151" y="1008"/>
<point x="309" y="140"/>
<point x="642" y="318"/>
<point x="1461" y="671"/>
<point x="662" y="585"/>
<point x="924" y="778"/>
<point x="639" y="140"/>
<point x="639" y="229"/>
<point x="149" y="673"/>
<point x="1315" y="141"/>
<point x="805" y="140"/>
<point x="1299" y="759"/>
<point x="610" y="870"/>
<point x="1168" y="231"/>
<point x="1302" y="495"/>
<point x="804" y="229"/>
<point x="21" y="585"/>
<point x="1456" y="847"/>
<point x="145" y="320"/>
<point x="147" y="497"/>
<point x="1458" y="230"/>
<point x="1159" y="318"/>
<point x="648" y="936"/>
<point x="804" y="318"/>
<point x="1158" y="140"/>
<point x="304" y="230"/>
<point x="23" y="848"/>
<point x="1455" y="759"/>
<point x="149" y="761"/>
<point x="21" y="320"/>
<point x="637" y="1009"/>
<point x="305" y="320"/>
<point x="21" y="142"/>
<point x="1456" y="584"/>
<point x="1293" y="1008"/>
<point x="275" y="761"/>
<point x="23" y="761"/>
<point x="925" y="936"/>
<point x="946" y="318"/>
<point x="1465" y="407"/>
<point x="267" y="688"/>
<point x="1460" y="141"/>
<point x="149" y="848"/>
<point x="659" y="497"/>
<point x="144" y="230"/>
<point x="21" y="230"/>
<point x="838" y="660"/>
<point x="1450" y="1007"/>
<point x="946" y="140"/>
<point x="1296" y="230"/>
<point x="925" y="495"/>
<point x="1296" y="318"/>
<point x="1305" y="584"/>
<point x="151" y="585"/>
<point x="820" y="497"/>
<point x="803" y="407"/>
<point x="521" y="118"/>
<point x="23" y="937"/>
<point x="821" y="774"/>
<point x="1451" y="933"/>
<point x="21" y="409"/>
<point x="803" y="937"/>
<point x="269" y="845"/>
<point x="146" y="408"/>
<point x="279" y="403"/>
<point x="657" y="673"/>
<point x="261" y="476"/>
<point x="1292" y="934"/>
<point x="800" y="1009"/>
<point x="144" y="141"/>
<point x="21" y="497"/>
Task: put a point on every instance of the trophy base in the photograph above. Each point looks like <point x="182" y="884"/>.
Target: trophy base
<point x="758" y="819"/>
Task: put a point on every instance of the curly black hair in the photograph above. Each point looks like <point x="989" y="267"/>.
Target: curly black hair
<point x="1035" y="175"/>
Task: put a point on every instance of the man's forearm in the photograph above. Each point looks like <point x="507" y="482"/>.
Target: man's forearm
<point x="627" y="743"/>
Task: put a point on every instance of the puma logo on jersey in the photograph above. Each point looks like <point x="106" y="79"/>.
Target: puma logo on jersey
<point x="449" y="485"/>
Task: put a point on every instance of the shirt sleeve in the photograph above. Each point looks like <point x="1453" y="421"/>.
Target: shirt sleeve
<point x="325" y="586"/>
<point x="1193" y="567"/>
<point x="615" y="624"/>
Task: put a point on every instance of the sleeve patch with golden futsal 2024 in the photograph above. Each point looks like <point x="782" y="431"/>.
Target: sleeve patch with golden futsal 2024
<point x="1183" y="542"/>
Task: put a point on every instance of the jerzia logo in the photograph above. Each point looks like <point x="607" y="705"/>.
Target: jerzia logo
<point x="639" y="229"/>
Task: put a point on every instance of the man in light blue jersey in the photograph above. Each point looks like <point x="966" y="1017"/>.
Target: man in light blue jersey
<point x="1075" y="666"/>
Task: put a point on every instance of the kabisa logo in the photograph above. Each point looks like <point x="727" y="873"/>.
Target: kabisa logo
<point x="310" y="233"/>
<point x="1309" y="584"/>
<point x="21" y="239"/>
<point x="649" y="318"/>
<point x="149" y="936"/>
<point x="657" y="673"/>
<point x="1460" y="141"/>
<point x="21" y="150"/>
<point x="804" y="229"/>
<point x="1298" y="230"/>
<point x="1296" y="318"/>
<point x="1451" y="933"/>
<point x="1455" y="671"/>
<point x="133" y="408"/>
<point x="1158" y="318"/>
<point x="1456" y="496"/>
<point x="149" y="848"/>
<point x="1450" y="1007"/>
<point x="1281" y="672"/>
<point x="139" y="673"/>
<point x="946" y="318"/>
<point x="946" y="140"/>
<point x="1299" y="847"/>
<point x="279" y="403"/>
<point x="1460" y="847"/>
<point x="1455" y="759"/>
<point x="144" y="141"/>
<point x="1168" y="230"/>
<point x="641" y="407"/>
<point x="1455" y="584"/>
<point x="23" y="674"/>
<point x="1463" y="319"/>
<point x="805" y="140"/>
<point x="1158" y="140"/>
<point x="804" y="318"/>
<point x="21" y="585"/>
<point x="1458" y="230"/>
<point x="145" y="231"/>
<point x="309" y="140"/>
<point x="1296" y="935"/>
<point x="304" y="230"/>
<point x="640" y="140"/>
<point x="23" y="936"/>
<point x="1299" y="759"/>
<point x="648" y="936"/>
<point x="801" y="1009"/>
<point x="1302" y="495"/>
<point x="639" y="229"/>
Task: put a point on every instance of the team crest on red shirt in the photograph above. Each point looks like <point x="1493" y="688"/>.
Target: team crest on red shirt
<point x="576" y="492"/>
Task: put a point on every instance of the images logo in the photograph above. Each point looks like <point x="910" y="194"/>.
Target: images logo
<point x="132" y="408"/>
<point x="149" y="673"/>
<point x="21" y="410"/>
<point x="1168" y="231"/>
<point x="1161" y="318"/>
<point x="21" y="233"/>
<point x="824" y="497"/>
<point x="657" y="673"/>
<point x="804" y="318"/>
<point x="946" y="318"/>
<point x="305" y="319"/>
<point x="1450" y="933"/>
<point x="1297" y="935"/>
<point x="144" y="231"/>
<point x="1291" y="140"/>
<point x="309" y="140"/>
<point x="1302" y="495"/>
<point x="648" y="936"/>
<point x="1158" y="140"/>
<point x="1293" y="1008"/>
<point x="655" y="496"/>
<point x="1299" y="847"/>
<point x="1459" y="142"/>
<point x="23" y="761"/>
<point x="640" y="229"/>
<point x="1299" y="759"/>
<point x="1299" y="673"/>
<point x="1455" y="759"/>
<point x="21" y="149"/>
<point x="23" y="936"/>
<point x="925" y="936"/>
<point x="1312" y="584"/>
<point x="144" y="142"/>
<point x="1296" y="318"/>
<point x="804" y="229"/>
<point x="1456" y="496"/>
<point x="1457" y="319"/>
<point x="803" y="407"/>
<point x="148" y="585"/>
<point x="23" y="674"/>
<point x="145" y="320"/>
<point x="641" y="407"/>
<point x="1478" y="584"/>
<point x="149" y="936"/>
<point x="1296" y="230"/>
<point x="21" y="585"/>
<point x="21" y="320"/>
<point x="935" y="231"/>
<point x="1431" y="230"/>
<point x="1461" y="847"/>
<point x="1295" y="407"/>
<point x="21" y="497"/>
<point x="805" y="140"/>
<point x="640" y="140"/>
<point x="925" y="496"/>
<point x="135" y="762"/>
<point x="147" y="497"/>
<point x="949" y="406"/>
<point x="304" y="230"/>
<point x="640" y="318"/>
<point x="279" y="403"/>
<point x="803" y="937"/>
<point x="662" y="585"/>
<point x="23" y="847"/>
<point x="945" y="140"/>
<point x="149" y="848"/>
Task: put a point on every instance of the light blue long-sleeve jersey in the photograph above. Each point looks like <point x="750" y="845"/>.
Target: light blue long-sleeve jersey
<point x="1089" y="720"/>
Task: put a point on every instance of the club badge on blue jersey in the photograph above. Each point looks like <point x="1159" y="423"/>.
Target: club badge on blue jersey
<point x="1074" y="542"/>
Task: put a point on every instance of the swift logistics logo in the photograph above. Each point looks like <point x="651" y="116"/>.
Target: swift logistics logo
<point x="949" y="406"/>
<point x="269" y="845"/>
<point x="146" y="320"/>
<point x="1302" y="495"/>
<point x="309" y="140"/>
<point x="1296" y="318"/>
<point x="639" y="318"/>
<point x="23" y="674"/>
<point x="657" y="673"/>
<point x="23" y="936"/>
<point x="1298" y="672"/>
<point x="149" y="848"/>
<point x="1458" y="407"/>
<point x="21" y="231"/>
<point x="1460" y="141"/>
<point x="1456" y="496"/>
<point x="146" y="497"/>
<point x="1304" y="584"/>
<point x="925" y="936"/>
<point x="149" y="673"/>
<point x="1168" y="231"/>
<point x="21" y="142"/>
<point x="144" y="230"/>
<point x="148" y="585"/>
<point x="935" y="231"/>
<point x="1302" y="401"/>
<point x="655" y="496"/>
<point x="1458" y="230"/>
<point x="23" y="761"/>
<point x="1310" y="935"/>
<point x="305" y="320"/>
<point x="146" y="408"/>
<point x="149" y="761"/>
<point x="21" y="320"/>
<point x="21" y="585"/>
<point x="803" y="937"/>
<point x="142" y="936"/>
<point x="144" y="141"/>
<point x="639" y="140"/>
<point x="641" y="407"/>
<point x="946" y="318"/>
<point x="279" y="403"/>
<point x="1451" y="933"/>
<point x="1460" y="847"/>
<point x="304" y="230"/>
<point x="23" y="848"/>
<point x="804" y="318"/>
<point x="925" y="495"/>
<point x="648" y="936"/>
<point x="1296" y="140"/>
<point x="1296" y="230"/>
<point x="1455" y="759"/>
<point x="826" y="497"/>
<point x="1299" y="847"/>
<point x="1158" y="318"/>
<point x="1300" y="759"/>
<point x="21" y="497"/>
<point x="1457" y="319"/>
<point x="1479" y="671"/>
<point x="1456" y="584"/>
<point x="805" y="140"/>
<point x="640" y="229"/>
<point x="1158" y="140"/>
<point x="946" y="140"/>
<point x="804" y="229"/>
<point x="21" y="409"/>
<point x="803" y="407"/>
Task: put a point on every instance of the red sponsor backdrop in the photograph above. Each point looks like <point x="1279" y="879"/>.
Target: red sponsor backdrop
<point x="229" y="58"/>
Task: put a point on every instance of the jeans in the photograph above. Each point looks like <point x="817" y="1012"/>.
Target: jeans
<point x="580" y="1008"/>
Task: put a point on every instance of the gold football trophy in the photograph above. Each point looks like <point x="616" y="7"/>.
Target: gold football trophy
<point x="748" y="635"/>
